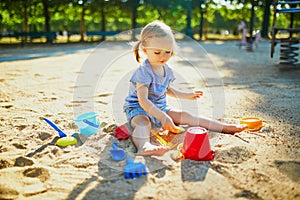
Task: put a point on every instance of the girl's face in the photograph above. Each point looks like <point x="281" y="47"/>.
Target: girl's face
<point x="159" y="50"/>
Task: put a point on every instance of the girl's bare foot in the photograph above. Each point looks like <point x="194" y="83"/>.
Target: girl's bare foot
<point x="152" y="150"/>
<point x="233" y="128"/>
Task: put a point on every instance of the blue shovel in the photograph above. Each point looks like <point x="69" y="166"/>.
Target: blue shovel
<point x="117" y="154"/>
<point x="60" y="132"/>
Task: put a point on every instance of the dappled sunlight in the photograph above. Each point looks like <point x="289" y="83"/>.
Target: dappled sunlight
<point x="217" y="42"/>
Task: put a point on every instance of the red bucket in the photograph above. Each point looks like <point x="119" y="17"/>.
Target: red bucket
<point x="196" y="145"/>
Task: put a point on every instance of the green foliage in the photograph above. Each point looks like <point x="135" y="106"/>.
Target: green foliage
<point x="118" y="14"/>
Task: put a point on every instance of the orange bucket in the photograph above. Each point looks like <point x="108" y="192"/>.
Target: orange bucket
<point x="253" y="123"/>
<point x="196" y="145"/>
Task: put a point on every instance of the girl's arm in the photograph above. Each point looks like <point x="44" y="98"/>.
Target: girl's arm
<point x="149" y="107"/>
<point x="184" y="95"/>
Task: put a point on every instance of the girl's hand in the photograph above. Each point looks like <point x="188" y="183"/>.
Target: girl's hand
<point x="167" y="123"/>
<point x="197" y="94"/>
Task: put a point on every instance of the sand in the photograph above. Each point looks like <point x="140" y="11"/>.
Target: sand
<point x="62" y="81"/>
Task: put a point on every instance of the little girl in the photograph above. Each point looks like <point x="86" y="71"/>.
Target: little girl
<point x="146" y="102"/>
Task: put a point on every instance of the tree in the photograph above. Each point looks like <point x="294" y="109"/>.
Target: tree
<point x="25" y="15"/>
<point x="46" y="15"/>
<point x="106" y="15"/>
<point x="266" y="18"/>
<point x="14" y="15"/>
<point x="82" y="22"/>
<point x="202" y="5"/>
<point x="265" y="4"/>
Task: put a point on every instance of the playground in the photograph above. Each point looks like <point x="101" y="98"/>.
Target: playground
<point x="39" y="82"/>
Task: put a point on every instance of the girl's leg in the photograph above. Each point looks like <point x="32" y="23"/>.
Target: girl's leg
<point x="141" y="137"/>
<point x="180" y="117"/>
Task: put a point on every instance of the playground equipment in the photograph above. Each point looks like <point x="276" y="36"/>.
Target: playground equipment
<point x="289" y="50"/>
<point x="242" y="27"/>
<point x="248" y="41"/>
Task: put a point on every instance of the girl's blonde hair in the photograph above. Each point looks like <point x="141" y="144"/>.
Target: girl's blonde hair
<point x="152" y="30"/>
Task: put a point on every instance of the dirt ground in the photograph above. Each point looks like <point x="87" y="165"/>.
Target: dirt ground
<point x="61" y="81"/>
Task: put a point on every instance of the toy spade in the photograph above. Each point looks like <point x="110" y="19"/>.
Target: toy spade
<point x="117" y="154"/>
<point x="60" y="132"/>
<point x="64" y="140"/>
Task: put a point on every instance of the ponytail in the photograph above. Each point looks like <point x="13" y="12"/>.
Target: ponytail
<point x="136" y="48"/>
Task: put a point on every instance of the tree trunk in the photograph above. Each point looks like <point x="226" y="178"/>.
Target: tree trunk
<point x="25" y="15"/>
<point x="251" y="19"/>
<point x="266" y="19"/>
<point x="103" y="24"/>
<point x="201" y="21"/>
<point x="82" y="30"/>
<point x="133" y="18"/>
<point x="25" y="24"/>
<point x="189" y="31"/>
<point x="47" y="19"/>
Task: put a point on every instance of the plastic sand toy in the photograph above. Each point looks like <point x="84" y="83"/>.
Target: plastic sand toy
<point x="253" y="123"/>
<point x="64" y="140"/>
<point x="117" y="154"/>
<point x="91" y="123"/>
<point x="122" y="133"/>
<point x="60" y="132"/>
<point x="87" y="123"/>
<point x="134" y="169"/>
<point x="161" y="140"/>
<point x="177" y="155"/>
<point x="178" y="129"/>
<point x="196" y="145"/>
